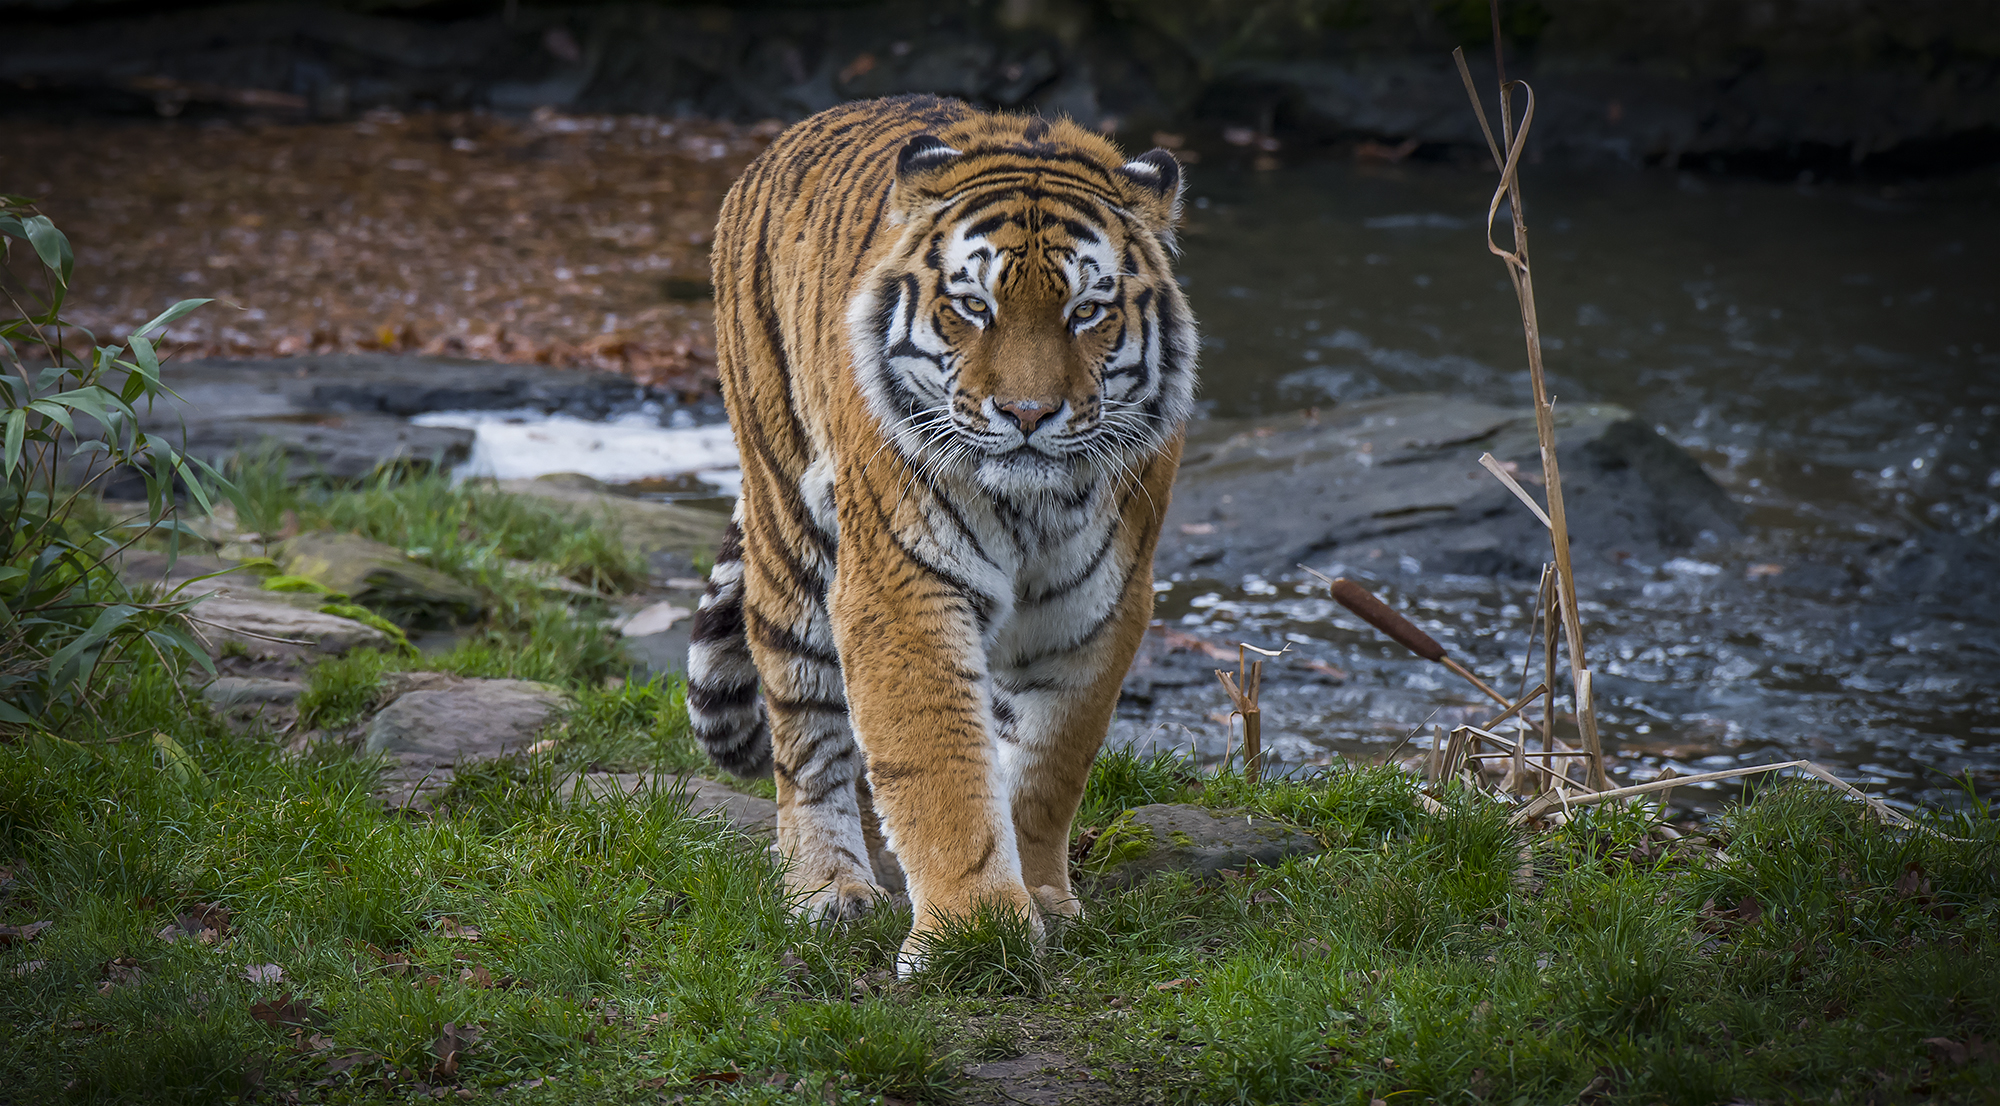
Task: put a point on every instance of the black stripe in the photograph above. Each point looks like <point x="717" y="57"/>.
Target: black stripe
<point x="779" y="639"/>
<point x="1077" y="581"/>
<point x="801" y="706"/>
<point x="714" y="699"/>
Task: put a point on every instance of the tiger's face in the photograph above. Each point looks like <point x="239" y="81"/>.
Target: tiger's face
<point x="1028" y="332"/>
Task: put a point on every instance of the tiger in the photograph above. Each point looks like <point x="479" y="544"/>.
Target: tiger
<point x="958" y="368"/>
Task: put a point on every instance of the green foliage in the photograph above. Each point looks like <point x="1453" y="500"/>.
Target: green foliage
<point x="633" y="725"/>
<point x="340" y="690"/>
<point x="991" y="952"/>
<point x="66" y="620"/>
<point x="1121" y="780"/>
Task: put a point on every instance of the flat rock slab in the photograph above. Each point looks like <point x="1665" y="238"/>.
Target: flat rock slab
<point x="1395" y="484"/>
<point x="429" y="734"/>
<point x="267" y="625"/>
<point x="1181" y="837"/>
<point x="748" y="813"/>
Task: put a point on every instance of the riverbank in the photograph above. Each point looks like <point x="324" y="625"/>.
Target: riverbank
<point x="242" y="901"/>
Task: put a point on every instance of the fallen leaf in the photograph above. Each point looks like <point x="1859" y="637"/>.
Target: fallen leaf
<point x="263" y="973"/>
<point x="716" y="1077"/>
<point x="1749" y="909"/>
<point x="287" y="1010"/>
<point x="453" y="928"/>
<point x="316" y="1042"/>
<point x="30" y="967"/>
<point x="1174" y="985"/>
<point x="1261" y="898"/>
<point x="1944" y="1048"/>
<point x="454" y="1041"/>
<point x="16" y="935"/>
<point x="1913" y="884"/>
<point x="117" y="971"/>
<point x="476" y="976"/>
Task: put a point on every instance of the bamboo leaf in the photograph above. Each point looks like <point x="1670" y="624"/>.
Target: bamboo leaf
<point x="170" y="315"/>
<point x="51" y="245"/>
<point x="71" y="655"/>
<point x="17" y="427"/>
<point x="175" y="760"/>
<point x="10" y="713"/>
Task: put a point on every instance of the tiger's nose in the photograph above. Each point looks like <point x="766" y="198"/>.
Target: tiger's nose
<point x="1027" y="413"/>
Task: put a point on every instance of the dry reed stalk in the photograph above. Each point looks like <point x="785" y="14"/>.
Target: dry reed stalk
<point x="1514" y="486"/>
<point x="1522" y="277"/>
<point x="1242" y="689"/>
<point x="1550" y="800"/>
<point x="1363" y="604"/>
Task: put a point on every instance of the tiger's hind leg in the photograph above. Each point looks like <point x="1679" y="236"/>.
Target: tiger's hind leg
<point x="823" y="801"/>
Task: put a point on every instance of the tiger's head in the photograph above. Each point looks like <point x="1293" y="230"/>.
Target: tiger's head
<point x="1026" y="332"/>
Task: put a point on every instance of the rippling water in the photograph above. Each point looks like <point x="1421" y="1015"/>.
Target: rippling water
<point x="1831" y="355"/>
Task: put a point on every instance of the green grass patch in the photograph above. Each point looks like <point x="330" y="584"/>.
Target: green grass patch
<point x="621" y="951"/>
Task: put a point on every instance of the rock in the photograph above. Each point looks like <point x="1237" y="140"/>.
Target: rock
<point x="245" y="702"/>
<point x="649" y="527"/>
<point x="266" y="625"/>
<point x="344" y="447"/>
<point x="748" y="813"/>
<point x="1180" y="837"/>
<point x="428" y="734"/>
<point x="380" y="577"/>
<point x="656" y="619"/>
<point x="1394" y="485"/>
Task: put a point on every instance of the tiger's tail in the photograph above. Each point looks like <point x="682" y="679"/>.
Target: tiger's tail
<point x="722" y="701"/>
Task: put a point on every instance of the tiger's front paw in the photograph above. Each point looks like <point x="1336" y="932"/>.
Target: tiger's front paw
<point x="1056" y="902"/>
<point x="843" y="900"/>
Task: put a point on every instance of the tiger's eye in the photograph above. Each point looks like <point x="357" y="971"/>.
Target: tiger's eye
<point x="1085" y="312"/>
<point x="973" y="304"/>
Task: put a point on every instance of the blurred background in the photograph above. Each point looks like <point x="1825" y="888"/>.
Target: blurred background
<point x="1764" y="237"/>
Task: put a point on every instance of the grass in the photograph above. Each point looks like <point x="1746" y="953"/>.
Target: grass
<point x="624" y="952"/>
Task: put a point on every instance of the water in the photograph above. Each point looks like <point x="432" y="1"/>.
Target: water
<point x="1831" y="355"/>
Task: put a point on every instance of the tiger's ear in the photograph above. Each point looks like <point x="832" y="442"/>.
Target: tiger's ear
<point x="922" y="154"/>
<point x="918" y="161"/>
<point x="1156" y="188"/>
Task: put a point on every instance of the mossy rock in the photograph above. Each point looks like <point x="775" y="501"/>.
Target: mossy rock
<point x="1182" y="837"/>
<point x="378" y="577"/>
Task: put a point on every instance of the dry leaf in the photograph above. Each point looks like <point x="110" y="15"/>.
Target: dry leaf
<point x="287" y="1010"/>
<point x="717" y="1077"/>
<point x="30" y="967"/>
<point x="1174" y="985"/>
<point x="476" y="976"/>
<point x="454" y="1041"/>
<point x="263" y="973"/>
<point x="16" y="935"/>
<point x="453" y="928"/>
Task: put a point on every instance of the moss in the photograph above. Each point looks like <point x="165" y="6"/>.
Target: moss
<point x="1124" y="840"/>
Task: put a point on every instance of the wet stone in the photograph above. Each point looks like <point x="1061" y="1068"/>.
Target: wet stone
<point x="1180" y="837"/>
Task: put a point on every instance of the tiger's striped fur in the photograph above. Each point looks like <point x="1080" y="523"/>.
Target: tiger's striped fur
<point x="958" y="366"/>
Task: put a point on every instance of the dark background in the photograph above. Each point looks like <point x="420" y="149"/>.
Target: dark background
<point x="1841" y="88"/>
